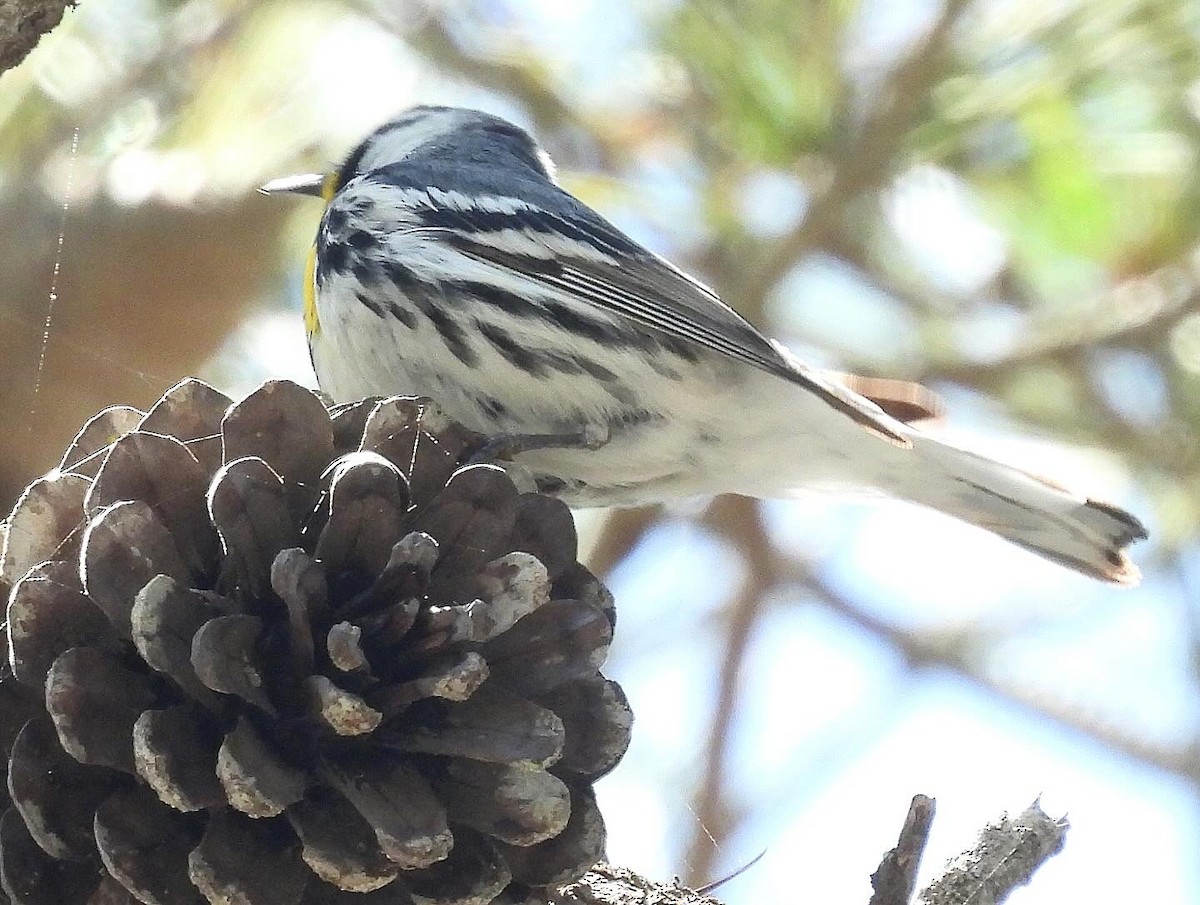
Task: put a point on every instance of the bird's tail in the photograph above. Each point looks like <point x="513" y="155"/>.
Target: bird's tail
<point x="1079" y="533"/>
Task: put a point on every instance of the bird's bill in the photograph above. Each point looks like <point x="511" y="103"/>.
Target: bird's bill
<point x="302" y="184"/>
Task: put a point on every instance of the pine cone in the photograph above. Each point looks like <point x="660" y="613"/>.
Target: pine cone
<point x="292" y="655"/>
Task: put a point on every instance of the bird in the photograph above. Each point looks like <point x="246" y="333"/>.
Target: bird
<point x="449" y="263"/>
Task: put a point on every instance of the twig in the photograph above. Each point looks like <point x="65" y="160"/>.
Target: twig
<point x="520" y="78"/>
<point x="521" y="75"/>
<point x="896" y="877"/>
<point x="732" y="875"/>
<point x="608" y="885"/>
<point x="740" y="520"/>
<point x="1005" y="857"/>
<point x="1137" y="311"/>
<point x="923" y="649"/>
<point x="620" y="533"/>
<point x="869" y="157"/>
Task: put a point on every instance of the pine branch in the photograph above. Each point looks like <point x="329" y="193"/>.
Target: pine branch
<point x="896" y="877"/>
<point x="22" y="24"/>
<point x="1005" y="857"/>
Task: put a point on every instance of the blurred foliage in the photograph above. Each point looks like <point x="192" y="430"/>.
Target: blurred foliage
<point x="997" y="198"/>
<point x="766" y="77"/>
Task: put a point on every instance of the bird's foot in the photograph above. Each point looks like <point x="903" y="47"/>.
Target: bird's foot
<point x="505" y="446"/>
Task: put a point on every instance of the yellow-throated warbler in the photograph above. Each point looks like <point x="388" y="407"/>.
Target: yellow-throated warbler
<point x="450" y="264"/>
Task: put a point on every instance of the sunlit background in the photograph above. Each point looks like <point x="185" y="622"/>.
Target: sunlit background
<point x="999" y="198"/>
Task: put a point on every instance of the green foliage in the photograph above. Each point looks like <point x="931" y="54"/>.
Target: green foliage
<point x="767" y="73"/>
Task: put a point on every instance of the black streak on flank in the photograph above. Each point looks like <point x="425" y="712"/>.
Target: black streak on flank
<point x="370" y="274"/>
<point x="413" y="293"/>
<point x="512" y="351"/>
<point x="680" y="348"/>
<point x="540" y="362"/>
<point x="403" y="278"/>
<point x="379" y="310"/>
<point x="425" y="299"/>
<point x="491" y="407"/>
<point x="367" y="271"/>
<point x="452" y="334"/>
<point x="501" y="299"/>
<point x="594" y="369"/>
<point x="665" y="370"/>
<point x="598" y="331"/>
<point x="630" y="419"/>
<point x="404" y="314"/>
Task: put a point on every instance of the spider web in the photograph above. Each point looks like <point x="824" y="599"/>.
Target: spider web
<point x="51" y="337"/>
<point x="52" y="299"/>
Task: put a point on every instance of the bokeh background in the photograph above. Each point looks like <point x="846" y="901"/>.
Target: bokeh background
<point x="998" y="198"/>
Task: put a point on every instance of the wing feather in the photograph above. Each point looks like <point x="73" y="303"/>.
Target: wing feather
<point x="601" y="265"/>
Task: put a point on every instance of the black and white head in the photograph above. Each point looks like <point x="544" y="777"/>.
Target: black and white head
<point x="429" y="134"/>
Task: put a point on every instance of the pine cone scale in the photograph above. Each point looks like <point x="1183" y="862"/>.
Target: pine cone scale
<point x="307" y="652"/>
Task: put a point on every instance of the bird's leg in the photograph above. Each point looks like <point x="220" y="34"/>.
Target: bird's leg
<point x="506" y="446"/>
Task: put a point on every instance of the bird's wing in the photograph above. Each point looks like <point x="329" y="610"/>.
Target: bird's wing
<point x="609" y="270"/>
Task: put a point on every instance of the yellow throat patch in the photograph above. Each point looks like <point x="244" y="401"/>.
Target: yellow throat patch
<point x="312" y="321"/>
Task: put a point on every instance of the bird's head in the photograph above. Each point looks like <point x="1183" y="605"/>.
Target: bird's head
<point x="443" y="135"/>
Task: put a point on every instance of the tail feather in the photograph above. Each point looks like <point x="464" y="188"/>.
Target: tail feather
<point x="1082" y="534"/>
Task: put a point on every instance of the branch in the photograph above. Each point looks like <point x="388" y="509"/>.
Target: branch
<point x="868" y="158"/>
<point x="22" y="24"/>
<point x="520" y="75"/>
<point x="623" y="529"/>
<point x="605" y="884"/>
<point x="522" y="78"/>
<point x="896" y="877"/>
<point x="739" y="520"/>
<point x="1138" y="311"/>
<point x="921" y="649"/>
<point x="1006" y="856"/>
